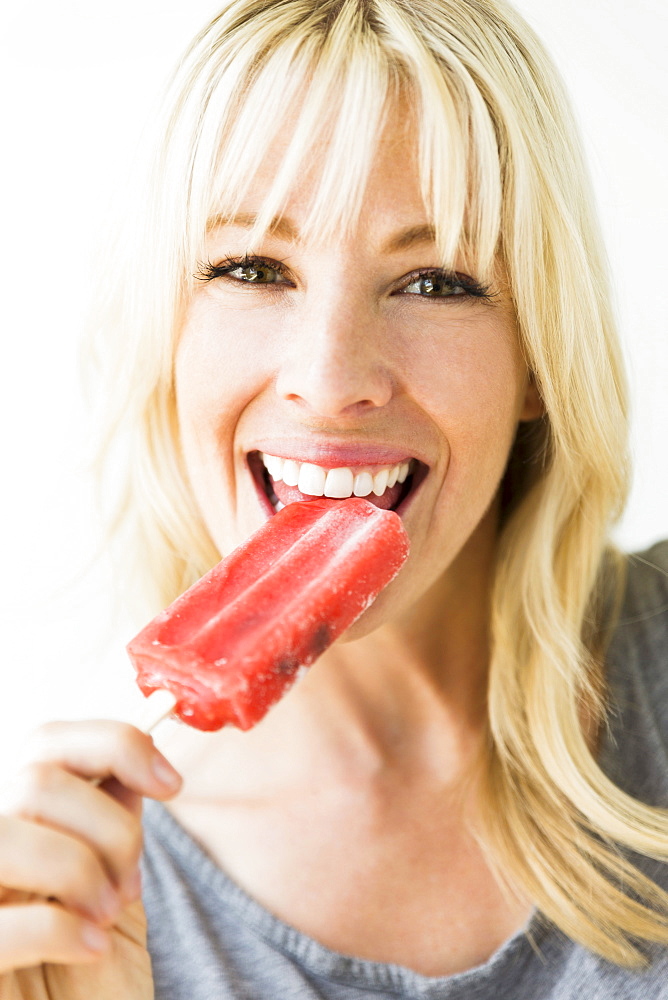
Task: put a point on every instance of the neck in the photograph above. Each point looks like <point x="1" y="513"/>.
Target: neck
<point x="409" y="698"/>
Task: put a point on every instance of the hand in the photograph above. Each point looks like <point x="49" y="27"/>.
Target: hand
<point x="71" y="921"/>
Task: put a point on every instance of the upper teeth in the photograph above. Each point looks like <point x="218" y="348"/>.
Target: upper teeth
<point x="336" y="483"/>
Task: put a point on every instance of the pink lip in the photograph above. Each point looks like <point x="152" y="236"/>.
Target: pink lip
<point x="333" y="456"/>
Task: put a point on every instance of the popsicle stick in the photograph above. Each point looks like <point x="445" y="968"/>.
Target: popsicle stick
<point x="158" y="706"/>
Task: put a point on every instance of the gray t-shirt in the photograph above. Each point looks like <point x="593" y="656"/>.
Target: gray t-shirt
<point x="209" y="940"/>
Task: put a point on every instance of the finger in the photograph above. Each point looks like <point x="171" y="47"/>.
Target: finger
<point x="46" y="794"/>
<point x="105" y="749"/>
<point x="128" y="799"/>
<point x="51" y="864"/>
<point x="34" y="933"/>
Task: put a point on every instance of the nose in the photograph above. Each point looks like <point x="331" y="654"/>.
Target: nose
<point x="335" y="363"/>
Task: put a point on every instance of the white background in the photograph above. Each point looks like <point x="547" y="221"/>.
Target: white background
<point x="79" y="79"/>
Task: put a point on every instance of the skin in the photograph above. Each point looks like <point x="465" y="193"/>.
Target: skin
<point x="342" y="357"/>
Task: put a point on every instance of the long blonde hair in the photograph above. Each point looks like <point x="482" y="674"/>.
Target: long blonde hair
<point x="502" y="172"/>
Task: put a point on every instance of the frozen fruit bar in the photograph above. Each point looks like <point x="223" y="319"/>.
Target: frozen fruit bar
<point x="231" y="646"/>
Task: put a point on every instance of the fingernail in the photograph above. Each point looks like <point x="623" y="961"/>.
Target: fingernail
<point x="165" y="773"/>
<point x="93" y="938"/>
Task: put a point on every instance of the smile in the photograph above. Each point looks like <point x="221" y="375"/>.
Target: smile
<point x="335" y="483"/>
<point x="286" y="480"/>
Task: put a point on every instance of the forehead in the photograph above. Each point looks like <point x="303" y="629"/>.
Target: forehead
<point x="312" y="183"/>
<point x="392" y="198"/>
<point x="393" y="152"/>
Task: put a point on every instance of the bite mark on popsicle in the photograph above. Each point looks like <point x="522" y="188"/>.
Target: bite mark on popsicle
<point x="234" y="643"/>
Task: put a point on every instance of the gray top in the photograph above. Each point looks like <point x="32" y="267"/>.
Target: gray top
<point x="209" y="940"/>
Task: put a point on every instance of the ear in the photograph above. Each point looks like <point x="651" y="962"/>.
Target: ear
<point x="533" y="406"/>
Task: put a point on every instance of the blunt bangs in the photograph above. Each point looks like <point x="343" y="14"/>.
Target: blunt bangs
<point x="331" y="91"/>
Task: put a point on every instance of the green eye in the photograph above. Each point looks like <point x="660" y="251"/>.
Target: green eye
<point x="259" y="274"/>
<point x="244" y="271"/>
<point x="434" y="286"/>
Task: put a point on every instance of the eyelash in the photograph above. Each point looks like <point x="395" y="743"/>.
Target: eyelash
<point x="207" y="271"/>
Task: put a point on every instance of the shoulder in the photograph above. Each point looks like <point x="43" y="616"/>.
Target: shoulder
<point x="637" y="678"/>
<point x="646" y="594"/>
<point x="642" y="626"/>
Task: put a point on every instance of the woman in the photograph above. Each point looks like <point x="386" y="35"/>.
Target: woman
<point x="368" y="241"/>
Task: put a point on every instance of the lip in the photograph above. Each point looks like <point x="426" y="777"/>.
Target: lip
<point x="333" y="455"/>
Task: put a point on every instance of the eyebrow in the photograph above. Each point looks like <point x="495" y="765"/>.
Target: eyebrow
<point x="283" y="227"/>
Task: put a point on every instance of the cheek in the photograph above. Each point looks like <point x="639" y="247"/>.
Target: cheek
<point x="218" y="372"/>
<point x="218" y="369"/>
<point x="471" y="380"/>
<point x="472" y="386"/>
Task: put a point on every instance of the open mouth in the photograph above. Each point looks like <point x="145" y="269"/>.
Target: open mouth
<point x="283" y="481"/>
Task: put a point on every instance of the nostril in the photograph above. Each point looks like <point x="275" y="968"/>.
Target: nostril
<point x="331" y="406"/>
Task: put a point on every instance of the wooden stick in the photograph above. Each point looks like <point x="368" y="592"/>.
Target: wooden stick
<point x="159" y="705"/>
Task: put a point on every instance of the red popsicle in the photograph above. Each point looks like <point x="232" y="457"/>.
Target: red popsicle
<point x="231" y="646"/>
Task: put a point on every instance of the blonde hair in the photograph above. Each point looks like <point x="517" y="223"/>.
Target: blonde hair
<point x="502" y="172"/>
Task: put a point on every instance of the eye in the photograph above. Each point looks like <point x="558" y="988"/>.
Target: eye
<point x="435" y="284"/>
<point x="259" y="274"/>
<point x="244" y="271"/>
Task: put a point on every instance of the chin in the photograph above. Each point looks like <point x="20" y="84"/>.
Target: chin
<point x="385" y="610"/>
